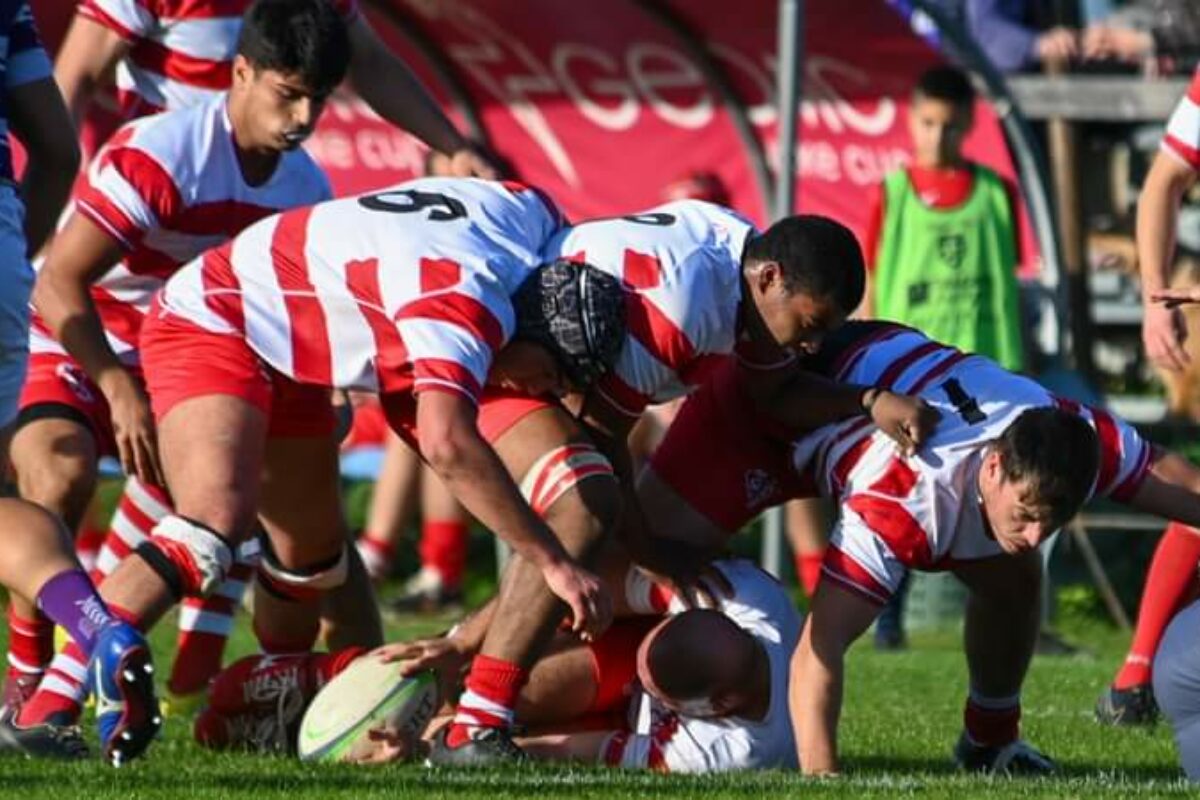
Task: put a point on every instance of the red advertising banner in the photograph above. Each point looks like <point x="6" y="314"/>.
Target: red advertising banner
<point x="600" y="104"/>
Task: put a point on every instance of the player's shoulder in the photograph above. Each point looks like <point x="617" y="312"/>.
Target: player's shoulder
<point x="174" y="137"/>
<point x="300" y="170"/>
<point x="758" y="598"/>
<point x="1193" y="90"/>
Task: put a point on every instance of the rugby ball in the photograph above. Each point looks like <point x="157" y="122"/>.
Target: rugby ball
<point x="366" y="694"/>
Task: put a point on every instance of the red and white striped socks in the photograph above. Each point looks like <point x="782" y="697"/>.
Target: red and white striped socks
<point x="30" y="645"/>
<point x="490" y="698"/>
<point x="205" y="624"/>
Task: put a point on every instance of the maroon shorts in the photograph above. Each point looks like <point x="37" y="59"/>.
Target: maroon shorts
<point x="720" y="458"/>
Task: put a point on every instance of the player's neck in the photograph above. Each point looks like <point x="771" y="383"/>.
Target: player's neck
<point x="750" y="325"/>
<point x="256" y="165"/>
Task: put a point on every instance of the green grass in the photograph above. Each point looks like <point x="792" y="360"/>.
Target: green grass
<point x="902" y="716"/>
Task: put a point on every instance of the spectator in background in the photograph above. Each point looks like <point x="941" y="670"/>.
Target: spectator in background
<point x="942" y="237"/>
<point x="1164" y="34"/>
<point x="1011" y="33"/>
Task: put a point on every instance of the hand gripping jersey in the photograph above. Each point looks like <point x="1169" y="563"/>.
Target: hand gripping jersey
<point x="922" y="511"/>
<point x="1182" y="138"/>
<point x="682" y="264"/>
<point x="669" y="742"/>
<point x="181" y="51"/>
<point x="405" y="289"/>
<point x="168" y="188"/>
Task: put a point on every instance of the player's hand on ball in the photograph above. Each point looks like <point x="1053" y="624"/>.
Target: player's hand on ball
<point x="590" y="604"/>
<point x="384" y="745"/>
<point x="909" y="421"/>
<point x="441" y="655"/>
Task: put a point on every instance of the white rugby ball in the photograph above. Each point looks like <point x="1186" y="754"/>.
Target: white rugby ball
<point x="366" y="694"/>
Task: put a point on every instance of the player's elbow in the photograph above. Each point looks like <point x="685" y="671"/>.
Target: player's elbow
<point x="446" y="449"/>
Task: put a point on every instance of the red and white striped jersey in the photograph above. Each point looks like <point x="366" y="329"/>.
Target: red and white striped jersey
<point x="404" y="289"/>
<point x="167" y="188"/>
<point x="682" y="265"/>
<point x="922" y="511"/>
<point x="181" y="51"/>
<point x="1182" y="138"/>
<point x="662" y="740"/>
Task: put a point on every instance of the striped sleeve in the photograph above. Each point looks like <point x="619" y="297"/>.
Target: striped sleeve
<point x="1182" y="138"/>
<point x="130" y="19"/>
<point x="451" y="339"/>
<point x="132" y="193"/>
<point x="1124" y="456"/>
<point x="27" y="60"/>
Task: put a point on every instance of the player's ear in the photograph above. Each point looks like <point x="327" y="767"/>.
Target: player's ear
<point x="243" y="70"/>
<point x="765" y="275"/>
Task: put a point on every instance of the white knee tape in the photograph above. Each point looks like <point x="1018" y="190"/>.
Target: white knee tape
<point x="328" y="578"/>
<point x="210" y="554"/>
<point x="559" y="471"/>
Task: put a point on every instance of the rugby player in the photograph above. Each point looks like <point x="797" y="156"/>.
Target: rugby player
<point x="178" y="53"/>
<point x="706" y="287"/>
<point x="175" y="54"/>
<point x="1171" y="578"/>
<point x="409" y="292"/>
<point x="37" y="566"/>
<point x="1007" y="465"/>
<point x="1172" y="658"/>
<point x="164" y="190"/>
<point x="700" y="284"/>
<point x="699" y="690"/>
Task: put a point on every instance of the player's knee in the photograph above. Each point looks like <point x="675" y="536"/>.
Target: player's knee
<point x="31" y="530"/>
<point x="62" y="482"/>
<point x="303" y="583"/>
<point x="191" y="559"/>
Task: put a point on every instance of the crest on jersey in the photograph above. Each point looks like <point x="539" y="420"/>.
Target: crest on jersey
<point x="76" y="380"/>
<point x="760" y="487"/>
<point x="952" y="247"/>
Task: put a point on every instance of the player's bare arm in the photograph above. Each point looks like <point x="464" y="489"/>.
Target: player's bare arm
<point x="1171" y="489"/>
<point x="836" y="619"/>
<point x="475" y="475"/>
<point x="85" y="60"/>
<point x="669" y="560"/>
<point x="82" y="253"/>
<point x="1163" y="329"/>
<point x="391" y="90"/>
<point x="40" y="120"/>
<point x="807" y="401"/>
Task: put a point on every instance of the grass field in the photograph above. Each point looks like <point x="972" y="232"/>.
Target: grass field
<point x="902" y="716"/>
